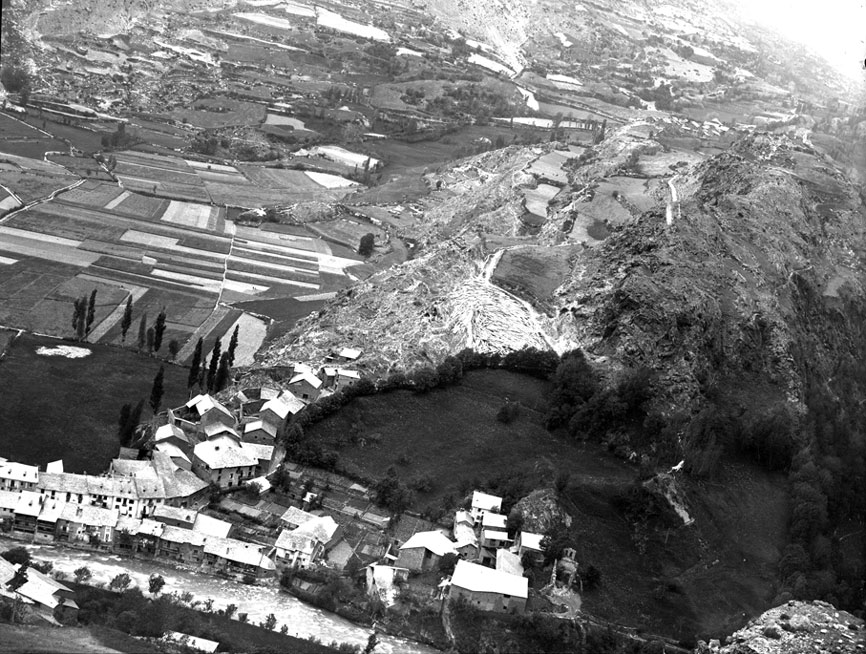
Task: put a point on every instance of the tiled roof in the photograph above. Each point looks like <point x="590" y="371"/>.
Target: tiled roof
<point x="29" y="504"/>
<point x="218" y="456"/>
<point x="266" y="427"/>
<point x="435" y="541"/>
<point x="181" y="535"/>
<point x="239" y="552"/>
<point x="485" y="502"/>
<point x="165" y="512"/>
<point x="477" y="578"/>
<point x="18" y="472"/>
<point x="208" y="526"/>
<point x="259" y="451"/>
<point x="92" y="516"/>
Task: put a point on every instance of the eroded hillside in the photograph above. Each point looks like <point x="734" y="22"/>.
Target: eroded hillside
<point x="747" y="262"/>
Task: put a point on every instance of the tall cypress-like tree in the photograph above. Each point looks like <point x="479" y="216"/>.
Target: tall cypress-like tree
<point x="196" y="364"/>
<point x="214" y="365"/>
<point x="91" y="312"/>
<point x="157" y="390"/>
<point x="158" y="330"/>
<point x="149" y="337"/>
<point x="223" y="373"/>
<point x="126" y="321"/>
<point x="79" y="317"/>
<point x="233" y="344"/>
<point x="142" y="331"/>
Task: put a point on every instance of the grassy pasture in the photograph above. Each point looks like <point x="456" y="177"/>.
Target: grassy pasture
<point x="55" y="407"/>
<point x="25" y="140"/>
<point x="30" y="185"/>
<point x="534" y="273"/>
<point x="453" y="436"/>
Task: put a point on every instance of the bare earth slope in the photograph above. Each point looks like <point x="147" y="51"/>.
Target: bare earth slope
<point x="760" y="274"/>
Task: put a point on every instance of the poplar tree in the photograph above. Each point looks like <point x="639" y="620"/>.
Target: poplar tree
<point x="91" y="312"/>
<point x="158" y="330"/>
<point x="150" y="336"/>
<point x="214" y="364"/>
<point x="157" y="390"/>
<point x="142" y="331"/>
<point x="126" y="321"/>
<point x="233" y="344"/>
<point x="223" y="373"/>
<point x="195" y="365"/>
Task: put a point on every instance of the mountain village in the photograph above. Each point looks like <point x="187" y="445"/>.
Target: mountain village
<point x="206" y="498"/>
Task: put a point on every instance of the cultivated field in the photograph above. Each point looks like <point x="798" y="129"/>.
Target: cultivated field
<point x="169" y="254"/>
<point x="532" y="272"/>
<point x="17" y="137"/>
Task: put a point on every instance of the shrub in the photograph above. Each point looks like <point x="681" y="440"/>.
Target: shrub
<point x="508" y="412"/>
<point x="17" y="555"/>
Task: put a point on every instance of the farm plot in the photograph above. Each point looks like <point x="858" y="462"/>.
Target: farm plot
<point x="140" y="206"/>
<point x="278" y="178"/>
<point x="251" y="335"/>
<point x="641" y="193"/>
<point x="251" y="196"/>
<point x="605" y="206"/>
<point x="534" y="273"/>
<point x="659" y="165"/>
<point x="213" y="113"/>
<point x="536" y="200"/>
<point x="30" y="185"/>
<point x="549" y="167"/>
<point x="14" y="242"/>
<point x="86" y="167"/>
<point x="66" y="226"/>
<point x="346" y="232"/>
<point x="191" y="215"/>
<point x="25" y="140"/>
<point x="93" y="194"/>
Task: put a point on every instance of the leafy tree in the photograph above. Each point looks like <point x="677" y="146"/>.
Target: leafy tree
<point x="91" y="311"/>
<point x="574" y="382"/>
<point x="555" y="540"/>
<point x="173" y="348"/>
<point x="157" y="390"/>
<point x="156" y="583"/>
<point x="233" y="345"/>
<point x="195" y="365"/>
<point x="214" y="365"/>
<point x="126" y="321"/>
<point x="17" y="555"/>
<point x="365" y="247"/>
<point x="591" y="578"/>
<point x="82" y="574"/>
<point x="158" y="330"/>
<point x="120" y="582"/>
<point x="514" y="522"/>
<point x="270" y="622"/>
<point x="230" y="610"/>
<point x="142" y="331"/>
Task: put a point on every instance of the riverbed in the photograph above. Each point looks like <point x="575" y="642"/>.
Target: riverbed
<point x="303" y="620"/>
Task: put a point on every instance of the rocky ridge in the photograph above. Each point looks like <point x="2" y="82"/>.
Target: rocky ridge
<point x="795" y="628"/>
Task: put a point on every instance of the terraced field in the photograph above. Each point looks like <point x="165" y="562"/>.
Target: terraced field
<point x="169" y="254"/>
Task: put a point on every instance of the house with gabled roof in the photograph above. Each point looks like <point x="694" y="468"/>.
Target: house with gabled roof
<point x="205" y="410"/>
<point x="528" y="542"/>
<point x="277" y="410"/>
<point x="171" y="433"/>
<point x="305" y="385"/>
<point x="306" y="544"/>
<point x="8" y="501"/>
<point x="223" y="463"/>
<point x="263" y="454"/>
<point x="487" y="589"/>
<point x="260" y="431"/>
<point x="483" y="503"/>
<point x="27" y="510"/>
<point x="18" y="476"/>
<point x="87" y="524"/>
<point x="424" y="550"/>
<point x="210" y="526"/>
<point x="42" y="595"/>
<point x="174" y="516"/>
<point x="236" y="557"/>
<point x="178" y="456"/>
<point x="295" y="517"/>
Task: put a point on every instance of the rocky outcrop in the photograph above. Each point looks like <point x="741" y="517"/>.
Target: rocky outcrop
<point x="796" y="628"/>
<point x="541" y="510"/>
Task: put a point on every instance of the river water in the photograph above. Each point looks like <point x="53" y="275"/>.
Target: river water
<point x="303" y="620"/>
